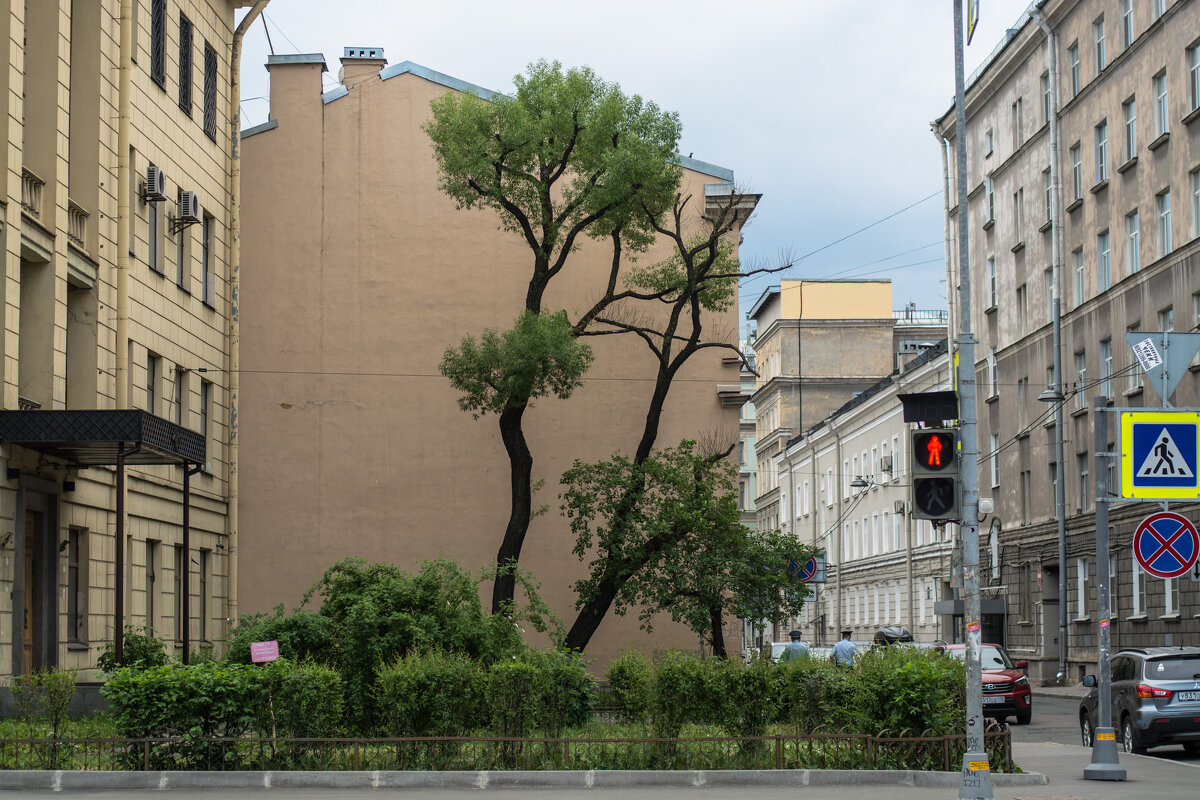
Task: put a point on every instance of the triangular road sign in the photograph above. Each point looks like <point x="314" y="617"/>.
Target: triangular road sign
<point x="1164" y="356"/>
<point x="1165" y="460"/>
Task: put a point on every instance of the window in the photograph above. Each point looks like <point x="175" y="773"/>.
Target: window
<point x="77" y="585"/>
<point x="1022" y="309"/>
<point x="1193" y="65"/>
<point x="1025" y="592"/>
<point x="1103" y="262"/>
<point x="180" y="588"/>
<point x="1160" y="104"/>
<point x="154" y="236"/>
<point x="1135" y="369"/>
<point x="183" y="258"/>
<point x="994" y="458"/>
<point x="1106" y="370"/>
<point x="202" y="594"/>
<point x="1077" y="257"/>
<point x="208" y="287"/>
<point x="1126" y="23"/>
<point x="1017" y="119"/>
<point x="153" y="371"/>
<point x="1158" y="8"/>
<point x="1138" y="590"/>
<point x="178" y="395"/>
<point x="828" y="488"/>
<point x="987" y="143"/>
<point x="1196" y="322"/>
<point x="1019" y="215"/>
<point x="1195" y="175"/>
<point x="133" y="33"/>
<point x="1129" y="107"/>
<point x="989" y="200"/>
<point x="991" y="284"/>
<point x="210" y="92"/>
<point x="1166" y="319"/>
<point x="158" y="42"/>
<point x="151" y="587"/>
<point x="1163" y="202"/>
<point x="1081" y="461"/>
<point x="1098" y="36"/>
<point x="1171" y="597"/>
<point x="1026" y="495"/>
<point x="1132" y="256"/>
<point x="991" y="373"/>
<point x="1081" y="379"/>
<point x="1048" y="192"/>
<point x="133" y="202"/>
<point x="185" y="65"/>
<point x="1102" y="151"/>
<point x="1022" y="405"/>
<point x="1046" y="110"/>
<point x="1076" y="171"/>
<point x="1073" y="67"/>
<point x="1081" y="581"/>
<point x="1048" y="283"/>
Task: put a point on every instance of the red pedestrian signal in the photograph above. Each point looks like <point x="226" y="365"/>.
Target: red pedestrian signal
<point x="935" y="489"/>
<point x="934" y="450"/>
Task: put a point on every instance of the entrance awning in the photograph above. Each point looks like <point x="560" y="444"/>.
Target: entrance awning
<point x="93" y="437"/>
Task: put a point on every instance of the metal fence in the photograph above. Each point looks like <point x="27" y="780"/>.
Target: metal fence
<point x="780" y="751"/>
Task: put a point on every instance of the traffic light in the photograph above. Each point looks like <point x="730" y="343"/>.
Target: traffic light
<point x="935" y="474"/>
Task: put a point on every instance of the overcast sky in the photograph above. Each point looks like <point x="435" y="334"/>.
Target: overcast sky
<point x="823" y="107"/>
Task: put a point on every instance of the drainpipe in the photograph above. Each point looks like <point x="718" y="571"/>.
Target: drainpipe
<point x="840" y="598"/>
<point x="235" y="262"/>
<point x="124" y="135"/>
<point x="1060" y="505"/>
<point x="951" y="284"/>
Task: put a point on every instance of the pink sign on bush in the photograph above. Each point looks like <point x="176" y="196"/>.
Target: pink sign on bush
<point x="264" y="651"/>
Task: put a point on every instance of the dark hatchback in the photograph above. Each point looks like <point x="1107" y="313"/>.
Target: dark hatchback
<point x="1006" y="690"/>
<point x="1155" y="699"/>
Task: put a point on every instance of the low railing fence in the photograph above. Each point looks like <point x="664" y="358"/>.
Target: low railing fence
<point x="904" y="750"/>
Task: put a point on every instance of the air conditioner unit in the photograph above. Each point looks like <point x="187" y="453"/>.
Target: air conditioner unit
<point x="898" y="506"/>
<point x="189" y="207"/>
<point x="885" y="464"/>
<point x="156" y="184"/>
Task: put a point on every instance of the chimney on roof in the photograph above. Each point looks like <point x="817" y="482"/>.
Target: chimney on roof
<point x="360" y="63"/>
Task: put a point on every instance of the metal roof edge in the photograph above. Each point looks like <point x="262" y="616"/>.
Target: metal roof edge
<point x="269" y="125"/>
<point x="758" y="304"/>
<point x="334" y="94"/>
<point x="449" y="81"/>
<point x="696" y="165"/>
<point x="299" y="58"/>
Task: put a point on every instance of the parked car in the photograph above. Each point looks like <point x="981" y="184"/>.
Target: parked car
<point x="1155" y="699"/>
<point x="1006" y="689"/>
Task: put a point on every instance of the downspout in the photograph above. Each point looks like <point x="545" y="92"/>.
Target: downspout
<point x="1060" y="505"/>
<point x="840" y="599"/>
<point x="124" y="136"/>
<point x="951" y="283"/>
<point x="235" y="262"/>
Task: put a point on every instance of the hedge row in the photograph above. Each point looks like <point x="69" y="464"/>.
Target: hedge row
<point x="892" y="689"/>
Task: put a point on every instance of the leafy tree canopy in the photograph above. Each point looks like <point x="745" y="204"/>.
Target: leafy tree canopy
<point x="568" y="153"/>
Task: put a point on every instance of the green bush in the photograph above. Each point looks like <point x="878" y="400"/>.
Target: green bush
<point x="302" y="700"/>
<point x="685" y="689"/>
<point x="141" y="649"/>
<point x="812" y="694"/>
<point x="746" y="695"/>
<point x="303" y="636"/>
<point x="568" y="691"/>
<point x="903" y="688"/>
<point x="431" y="694"/>
<point x="206" y="700"/>
<point x="41" y="700"/>
<point x="631" y="676"/>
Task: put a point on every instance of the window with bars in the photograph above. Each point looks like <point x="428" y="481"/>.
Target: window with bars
<point x="210" y="92"/>
<point x="158" y="42"/>
<point x="185" y="65"/>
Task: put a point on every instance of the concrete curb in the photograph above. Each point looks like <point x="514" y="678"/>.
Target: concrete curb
<point x="95" y="780"/>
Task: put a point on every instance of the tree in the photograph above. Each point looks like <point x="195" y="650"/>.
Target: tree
<point x="679" y="522"/>
<point x="567" y="156"/>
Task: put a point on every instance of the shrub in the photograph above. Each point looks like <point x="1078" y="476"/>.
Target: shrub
<point x="568" y="692"/>
<point x="303" y="636"/>
<point x="630" y="676"/>
<point x="746" y="692"/>
<point x="41" y="699"/>
<point x="901" y="688"/>
<point x="812" y="694"/>
<point x="211" y="699"/>
<point x="431" y="694"/>
<point x="302" y="700"/>
<point x="684" y="690"/>
<point x="141" y="649"/>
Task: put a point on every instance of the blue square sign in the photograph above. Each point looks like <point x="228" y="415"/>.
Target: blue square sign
<point x="1159" y="454"/>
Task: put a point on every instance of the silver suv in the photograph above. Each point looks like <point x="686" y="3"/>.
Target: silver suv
<point x="1155" y="699"/>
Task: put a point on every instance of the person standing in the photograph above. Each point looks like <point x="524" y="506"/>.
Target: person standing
<point x="795" y="651"/>
<point x="844" y="651"/>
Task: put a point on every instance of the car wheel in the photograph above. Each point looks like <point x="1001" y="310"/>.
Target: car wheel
<point x="1024" y="719"/>
<point x="1129" y="738"/>
<point x="1191" y="748"/>
<point x="1085" y="730"/>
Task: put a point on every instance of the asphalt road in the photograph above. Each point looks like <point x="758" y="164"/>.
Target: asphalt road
<point x="1056" y="720"/>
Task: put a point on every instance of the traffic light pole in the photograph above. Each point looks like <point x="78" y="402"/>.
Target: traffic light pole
<point x="976" y="774"/>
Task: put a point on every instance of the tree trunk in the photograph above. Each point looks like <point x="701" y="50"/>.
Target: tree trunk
<point x="718" y="635"/>
<point x="521" y="468"/>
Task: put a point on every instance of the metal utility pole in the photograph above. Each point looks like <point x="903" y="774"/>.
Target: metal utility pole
<point x="1105" y="765"/>
<point x="976" y="773"/>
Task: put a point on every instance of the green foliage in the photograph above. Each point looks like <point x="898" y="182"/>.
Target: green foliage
<point x="432" y="694"/>
<point x="202" y="700"/>
<point x="302" y="636"/>
<point x="904" y="688"/>
<point x="539" y="691"/>
<point x="537" y="357"/>
<point x="301" y="699"/>
<point x="685" y="690"/>
<point x="568" y="691"/>
<point x="631" y="677"/>
<point x="43" y="698"/>
<point x="813" y="694"/>
<point x="744" y="688"/>
<point x="379" y="612"/>
<point x="672" y="280"/>
<point x="566" y="154"/>
<point x="141" y="649"/>
<point x="676" y="517"/>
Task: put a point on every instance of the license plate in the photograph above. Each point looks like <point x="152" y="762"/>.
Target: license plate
<point x="1187" y="697"/>
<point x="992" y="700"/>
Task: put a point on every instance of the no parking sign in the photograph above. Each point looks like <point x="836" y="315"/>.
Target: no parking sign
<point x="1166" y="545"/>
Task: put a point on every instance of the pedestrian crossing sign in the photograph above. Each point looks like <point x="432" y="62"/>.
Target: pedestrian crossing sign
<point x="1160" y="454"/>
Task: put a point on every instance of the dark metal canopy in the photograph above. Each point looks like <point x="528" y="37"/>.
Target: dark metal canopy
<point x="94" y="437"/>
<point x="929" y="407"/>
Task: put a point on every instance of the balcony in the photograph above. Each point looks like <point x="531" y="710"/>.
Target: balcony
<point x="76" y="224"/>
<point x="31" y="193"/>
<point x="921" y="316"/>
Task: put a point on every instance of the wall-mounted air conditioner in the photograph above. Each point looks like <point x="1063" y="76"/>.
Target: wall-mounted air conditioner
<point x="189" y="207"/>
<point x="156" y="184"/>
<point x="885" y="464"/>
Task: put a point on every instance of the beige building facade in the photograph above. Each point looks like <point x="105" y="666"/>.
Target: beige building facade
<point x="116" y="300"/>
<point x="1122" y="199"/>
<point x="358" y="275"/>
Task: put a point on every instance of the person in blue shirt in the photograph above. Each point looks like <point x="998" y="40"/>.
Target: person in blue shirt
<point x="844" y="651"/>
<point x="795" y="651"/>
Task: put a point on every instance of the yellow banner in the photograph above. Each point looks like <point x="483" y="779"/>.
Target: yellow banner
<point x="1106" y="737"/>
<point x="978" y="766"/>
